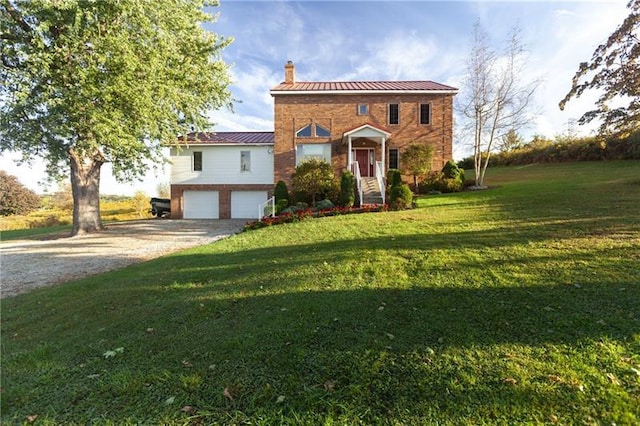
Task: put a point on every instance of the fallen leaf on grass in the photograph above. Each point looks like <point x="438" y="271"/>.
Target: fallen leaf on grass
<point x="169" y="400"/>
<point x="32" y="418"/>
<point x="329" y="385"/>
<point x="186" y="364"/>
<point x="510" y="381"/>
<point x="188" y="409"/>
<point x="227" y="394"/>
<point x="111" y="354"/>
<point x="280" y="399"/>
<point x="555" y="379"/>
<point x="614" y="380"/>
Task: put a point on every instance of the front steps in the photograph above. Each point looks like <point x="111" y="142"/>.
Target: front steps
<point x="371" y="191"/>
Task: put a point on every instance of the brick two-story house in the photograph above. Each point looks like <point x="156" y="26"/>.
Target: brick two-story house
<point x="360" y="126"/>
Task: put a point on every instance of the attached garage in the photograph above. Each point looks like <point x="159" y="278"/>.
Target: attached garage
<point x="244" y="204"/>
<point x="201" y="205"/>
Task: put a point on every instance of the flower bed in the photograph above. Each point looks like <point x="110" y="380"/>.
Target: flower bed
<point x="311" y="213"/>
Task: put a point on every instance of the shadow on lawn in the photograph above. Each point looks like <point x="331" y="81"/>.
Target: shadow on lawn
<point x="291" y="289"/>
<point x="270" y="322"/>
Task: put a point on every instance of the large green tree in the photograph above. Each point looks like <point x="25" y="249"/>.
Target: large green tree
<point x="614" y="69"/>
<point x="85" y="82"/>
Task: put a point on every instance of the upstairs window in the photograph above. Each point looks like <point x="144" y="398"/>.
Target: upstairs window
<point x="425" y="114"/>
<point x="321" y="132"/>
<point x="363" y="109"/>
<point x="197" y="161"/>
<point x="305" y="132"/>
<point x="394" y="159"/>
<point x="394" y="114"/>
<point x="309" y="131"/>
<point x="245" y="161"/>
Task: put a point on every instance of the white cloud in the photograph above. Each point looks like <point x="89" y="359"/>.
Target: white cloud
<point x="226" y="121"/>
<point x="572" y="36"/>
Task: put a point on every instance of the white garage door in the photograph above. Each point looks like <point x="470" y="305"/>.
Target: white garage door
<point x="244" y="204"/>
<point x="201" y="205"/>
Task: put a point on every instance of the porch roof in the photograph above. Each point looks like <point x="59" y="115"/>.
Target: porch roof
<point x="366" y="130"/>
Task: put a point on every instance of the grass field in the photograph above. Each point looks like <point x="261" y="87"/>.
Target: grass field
<point x="519" y="304"/>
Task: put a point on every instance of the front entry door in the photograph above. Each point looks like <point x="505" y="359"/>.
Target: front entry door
<point x="365" y="163"/>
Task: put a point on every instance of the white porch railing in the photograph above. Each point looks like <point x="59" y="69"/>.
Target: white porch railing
<point x="268" y="208"/>
<point x="381" y="178"/>
<point x="355" y="169"/>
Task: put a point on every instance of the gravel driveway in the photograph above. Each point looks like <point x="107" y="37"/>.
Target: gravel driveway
<point x="30" y="264"/>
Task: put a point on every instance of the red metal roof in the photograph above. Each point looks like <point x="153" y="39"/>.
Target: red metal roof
<point x="362" y="86"/>
<point x="229" y="138"/>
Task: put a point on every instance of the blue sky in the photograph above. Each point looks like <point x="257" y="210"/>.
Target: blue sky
<point x="389" y="40"/>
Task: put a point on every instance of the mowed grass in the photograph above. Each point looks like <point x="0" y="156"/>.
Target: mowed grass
<point x="519" y="304"/>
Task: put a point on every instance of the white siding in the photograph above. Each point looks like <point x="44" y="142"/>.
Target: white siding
<point x="221" y="165"/>
<point x="244" y="204"/>
<point x="201" y="205"/>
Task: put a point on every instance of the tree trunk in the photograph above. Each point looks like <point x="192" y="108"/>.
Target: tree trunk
<point x="85" y="186"/>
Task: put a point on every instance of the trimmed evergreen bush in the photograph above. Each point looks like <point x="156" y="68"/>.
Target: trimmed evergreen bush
<point x="394" y="178"/>
<point x="347" y="188"/>
<point x="281" y="192"/>
<point x="452" y="171"/>
<point x="281" y="205"/>
<point x="401" y="197"/>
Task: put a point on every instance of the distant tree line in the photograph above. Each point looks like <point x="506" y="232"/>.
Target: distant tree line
<point x="563" y="149"/>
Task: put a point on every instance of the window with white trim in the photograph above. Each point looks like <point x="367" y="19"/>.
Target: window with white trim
<point x="313" y="130"/>
<point x="425" y="113"/>
<point x="363" y="109"/>
<point x="313" y="151"/>
<point x="394" y="114"/>
<point x="394" y="158"/>
<point x="321" y="132"/>
<point x="197" y="161"/>
<point x="305" y="132"/>
<point x="245" y="161"/>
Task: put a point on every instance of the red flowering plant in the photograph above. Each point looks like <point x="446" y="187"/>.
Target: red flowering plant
<point x="302" y="214"/>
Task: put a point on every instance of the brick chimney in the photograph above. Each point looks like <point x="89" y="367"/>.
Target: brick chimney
<point x="289" y="73"/>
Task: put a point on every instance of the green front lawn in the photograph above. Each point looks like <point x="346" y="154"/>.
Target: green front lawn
<point x="519" y="304"/>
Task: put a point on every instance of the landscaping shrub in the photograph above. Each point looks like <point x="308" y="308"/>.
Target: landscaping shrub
<point x="394" y="178"/>
<point x="297" y="214"/>
<point x="314" y="179"/>
<point x="281" y="204"/>
<point x="452" y="171"/>
<point x="347" y="188"/>
<point x="324" y="204"/>
<point x="281" y="192"/>
<point x="299" y="206"/>
<point x="400" y="197"/>
<point x="450" y="179"/>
